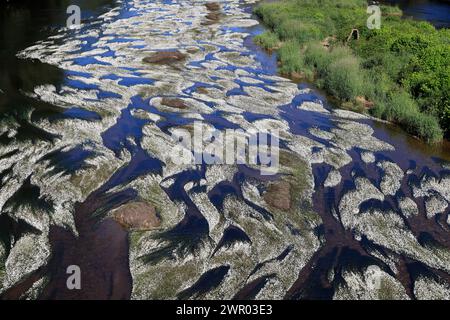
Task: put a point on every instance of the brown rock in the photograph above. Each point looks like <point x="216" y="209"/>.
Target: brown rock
<point x="208" y="22"/>
<point x="212" y="6"/>
<point x="137" y="216"/>
<point x="278" y="195"/>
<point x="165" y="57"/>
<point x="174" y="103"/>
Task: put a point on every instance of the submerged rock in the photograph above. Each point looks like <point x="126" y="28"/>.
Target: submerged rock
<point x="212" y="6"/>
<point x="408" y="207"/>
<point x="278" y="195"/>
<point x="36" y="289"/>
<point x="367" y="157"/>
<point x="392" y="178"/>
<point x="137" y="216"/>
<point x="165" y="57"/>
<point x="426" y="288"/>
<point x="333" y="178"/>
<point x="2" y="252"/>
<point x="435" y="204"/>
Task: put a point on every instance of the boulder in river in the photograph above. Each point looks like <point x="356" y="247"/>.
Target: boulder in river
<point x="165" y="57"/>
<point x="174" y="103"/>
<point x="137" y="216"/>
<point x="212" y="6"/>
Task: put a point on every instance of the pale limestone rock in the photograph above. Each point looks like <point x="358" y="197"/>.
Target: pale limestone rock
<point x="408" y="207"/>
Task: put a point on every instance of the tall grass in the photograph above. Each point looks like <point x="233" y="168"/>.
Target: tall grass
<point x="404" y="68"/>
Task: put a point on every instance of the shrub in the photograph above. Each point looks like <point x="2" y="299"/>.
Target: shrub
<point x="344" y="78"/>
<point x="400" y="105"/>
<point x="316" y="56"/>
<point x="379" y="110"/>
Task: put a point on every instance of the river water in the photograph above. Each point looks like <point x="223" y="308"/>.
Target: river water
<point x="84" y="132"/>
<point x="436" y="12"/>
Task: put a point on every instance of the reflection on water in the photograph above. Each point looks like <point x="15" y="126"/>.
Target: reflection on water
<point x="115" y="131"/>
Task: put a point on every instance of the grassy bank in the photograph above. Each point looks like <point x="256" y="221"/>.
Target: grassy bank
<point x="400" y="72"/>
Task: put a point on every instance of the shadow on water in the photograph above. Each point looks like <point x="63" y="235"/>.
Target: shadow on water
<point x="22" y="23"/>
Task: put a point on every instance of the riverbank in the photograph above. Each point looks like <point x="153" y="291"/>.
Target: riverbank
<point x="398" y="73"/>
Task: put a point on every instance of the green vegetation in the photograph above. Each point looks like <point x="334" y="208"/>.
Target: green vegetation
<point x="400" y="72"/>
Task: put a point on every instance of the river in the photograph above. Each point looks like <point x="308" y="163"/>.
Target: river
<point x="435" y="12"/>
<point x="85" y="131"/>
